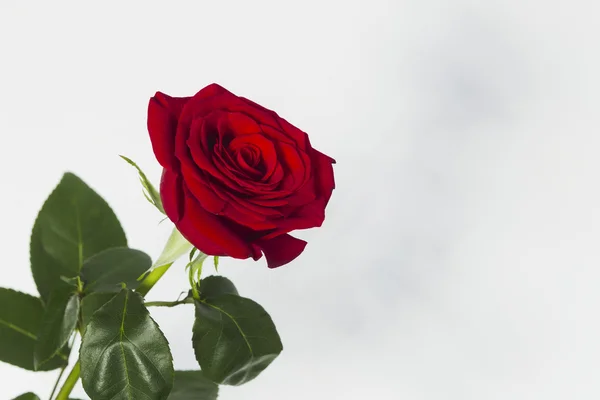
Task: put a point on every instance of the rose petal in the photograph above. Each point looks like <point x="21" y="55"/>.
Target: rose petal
<point x="304" y="195"/>
<point x="309" y="216"/>
<point x="212" y="97"/>
<point x="244" y="204"/>
<point x="205" y="196"/>
<point x="281" y="250"/>
<point x="247" y="160"/>
<point x="268" y="154"/>
<point x="171" y="194"/>
<point x="256" y="222"/>
<point x="250" y="215"/>
<point x="300" y="137"/>
<point x="209" y="233"/>
<point x="256" y="111"/>
<point x="296" y="165"/>
<point x="241" y="124"/>
<point x="193" y="153"/>
<point x="219" y="201"/>
<point x="276" y="135"/>
<point x="238" y="180"/>
<point x="273" y="120"/>
<point x="276" y="176"/>
<point x="199" y="146"/>
<point x="211" y="91"/>
<point x="270" y="203"/>
<point x="163" y="115"/>
<point x="323" y="173"/>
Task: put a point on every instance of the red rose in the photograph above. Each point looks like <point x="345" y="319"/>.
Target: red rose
<point x="237" y="177"/>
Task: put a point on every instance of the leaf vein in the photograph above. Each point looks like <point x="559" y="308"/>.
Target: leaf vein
<point x="236" y="324"/>
<point x="122" y="333"/>
<point x="18" y="329"/>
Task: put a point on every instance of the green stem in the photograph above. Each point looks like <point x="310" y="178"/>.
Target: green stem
<point x="151" y="279"/>
<point x="168" y="303"/>
<point x="69" y="384"/>
<point x="62" y="370"/>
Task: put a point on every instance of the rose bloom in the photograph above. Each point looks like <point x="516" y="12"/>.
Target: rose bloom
<point x="237" y="177"/>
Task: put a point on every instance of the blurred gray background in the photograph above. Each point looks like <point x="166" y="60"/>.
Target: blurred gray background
<point x="459" y="258"/>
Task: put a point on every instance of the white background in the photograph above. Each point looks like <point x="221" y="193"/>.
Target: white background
<point x="459" y="258"/>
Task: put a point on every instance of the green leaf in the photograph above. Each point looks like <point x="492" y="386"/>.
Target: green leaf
<point x="58" y="323"/>
<point x="214" y="286"/>
<point x="73" y="224"/>
<point x="32" y="396"/>
<point x="20" y="318"/>
<point x="105" y="271"/>
<point x="175" y="247"/>
<point x="124" y="355"/>
<point x="234" y="339"/>
<point x="91" y="303"/>
<point x="193" y="385"/>
<point x="27" y="396"/>
<point x="151" y="194"/>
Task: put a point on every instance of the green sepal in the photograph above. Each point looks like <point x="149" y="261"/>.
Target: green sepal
<point x="150" y="192"/>
<point x="174" y="249"/>
<point x="196" y="264"/>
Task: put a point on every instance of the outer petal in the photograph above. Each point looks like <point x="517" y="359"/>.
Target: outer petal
<point x="171" y="194"/>
<point x="296" y="164"/>
<point x="212" y="97"/>
<point x="281" y="250"/>
<point x="300" y="137"/>
<point x="163" y="115"/>
<point x="309" y="216"/>
<point x="209" y="233"/>
<point x="210" y="90"/>
<point x="323" y="172"/>
<point x="207" y="197"/>
<point x="262" y="114"/>
<point x="272" y="119"/>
